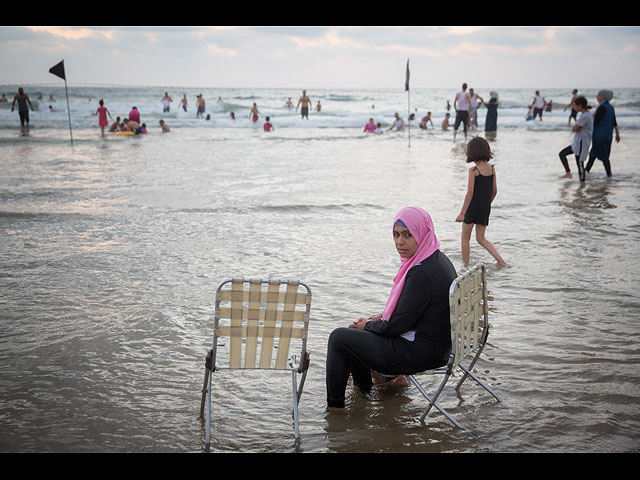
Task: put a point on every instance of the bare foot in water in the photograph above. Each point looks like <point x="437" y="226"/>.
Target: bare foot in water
<point x="567" y="175"/>
<point x="384" y="380"/>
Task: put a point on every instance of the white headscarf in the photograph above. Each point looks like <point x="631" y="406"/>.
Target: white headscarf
<point x="606" y="95"/>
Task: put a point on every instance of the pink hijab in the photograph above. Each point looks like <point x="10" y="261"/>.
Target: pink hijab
<point x="420" y="225"/>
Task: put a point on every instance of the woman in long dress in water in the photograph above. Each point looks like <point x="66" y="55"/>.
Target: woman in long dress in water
<point x="491" y="122"/>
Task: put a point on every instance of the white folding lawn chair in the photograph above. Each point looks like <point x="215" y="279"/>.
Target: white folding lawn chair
<point x="469" y="331"/>
<point x="259" y="320"/>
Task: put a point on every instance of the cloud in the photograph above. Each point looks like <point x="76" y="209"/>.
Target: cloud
<point x="74" y="33"/>
<point x="216" y="50"/>
<point x="330" y="39"/>
<point x="324" y="55"/>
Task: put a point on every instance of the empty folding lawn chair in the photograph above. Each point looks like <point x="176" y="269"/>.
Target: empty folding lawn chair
<point x="469" y="331"/>
<point x="259" y="321"/>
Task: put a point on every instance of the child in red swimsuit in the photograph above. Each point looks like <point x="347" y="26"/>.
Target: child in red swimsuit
<point x="102" y="113"/>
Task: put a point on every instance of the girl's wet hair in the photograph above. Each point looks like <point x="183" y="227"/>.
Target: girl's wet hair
<point x="581" y="101"/>
<point x="478" y="149"/>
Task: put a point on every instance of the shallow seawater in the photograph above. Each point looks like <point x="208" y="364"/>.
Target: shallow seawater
<point x="111" y="250"/>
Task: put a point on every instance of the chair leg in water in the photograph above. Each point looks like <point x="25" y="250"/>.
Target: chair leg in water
<point x="433" y="402"/>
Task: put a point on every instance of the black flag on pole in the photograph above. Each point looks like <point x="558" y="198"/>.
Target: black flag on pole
<point x="406" y="82"/>
<point x="58" y="70"/>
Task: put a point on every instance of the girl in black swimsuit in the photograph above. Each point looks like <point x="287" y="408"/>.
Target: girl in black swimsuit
<point x="481" y="190"/>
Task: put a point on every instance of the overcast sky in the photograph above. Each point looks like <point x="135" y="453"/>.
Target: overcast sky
<point x="324" y="57"/>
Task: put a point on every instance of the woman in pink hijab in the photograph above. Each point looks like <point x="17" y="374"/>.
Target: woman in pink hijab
<point x="412" y="334"/>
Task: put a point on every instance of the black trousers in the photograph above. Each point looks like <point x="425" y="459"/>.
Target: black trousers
<point x="461" y="116"/>
<point x="605" y="162"/>
<point x="24" y="117"/>
<point x="563" y="158"/>
<point x="357" y="352"/>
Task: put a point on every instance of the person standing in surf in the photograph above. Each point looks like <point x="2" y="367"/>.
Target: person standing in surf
<point x="604" y="124"/>
<point x="461" y="105"/>
<point x="581" y="140"/>
<point x="22" y="99"/>
<point x="306" y="103"/>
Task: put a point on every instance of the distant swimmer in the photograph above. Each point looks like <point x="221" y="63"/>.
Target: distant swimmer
<point x="425" y="120"/>
<point x="165" y="128"/>
<point x="538" y="103"/>
<point x="370" y="127"/>
<point x="288" y="103"/>
<point x="306" y="103"/>
<point x="166" y="101"/>
<point x="115" y="125"/>
<point x="318" y="107"/>
<point x="267" y="125"/>
<point x="445" y="122"/>
<point x="201" y="105"/>
<point x="22" y="99"/>
<point x="254" y="113"/>
<point x="132" y="126"/>
<point x="183" y="103"/>
<point x="398" y="123"/>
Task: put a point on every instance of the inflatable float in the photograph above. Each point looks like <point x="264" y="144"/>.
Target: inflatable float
<point x="125" y="133"/>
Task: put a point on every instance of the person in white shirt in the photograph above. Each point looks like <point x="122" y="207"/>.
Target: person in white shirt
<point x="461" y="105"/>
<point x="581" y="139"/>
<point x="398" y="124"/>
<point x="166" y="102"/>
<point x="538" y="104"/>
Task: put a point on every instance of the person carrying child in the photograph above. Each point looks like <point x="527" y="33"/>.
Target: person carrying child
<point x="482" y="188"/>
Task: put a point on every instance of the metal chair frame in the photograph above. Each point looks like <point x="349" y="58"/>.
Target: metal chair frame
<point x="259" y="319"/>
<point x="469" y="331"/>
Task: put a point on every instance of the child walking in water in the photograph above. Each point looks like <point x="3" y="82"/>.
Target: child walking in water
<point x="102" y="113"/>
<point x="481" y="190"/>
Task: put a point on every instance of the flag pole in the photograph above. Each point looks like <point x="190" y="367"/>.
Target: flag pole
<point x="406" y="87"/>
<point x="58" y="71"/>
<point x="68" y="110"/>
<point x="409" y="114"/>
